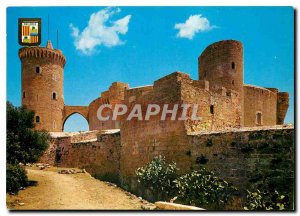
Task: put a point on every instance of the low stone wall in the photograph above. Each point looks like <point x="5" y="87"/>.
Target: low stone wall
<point x="249" y="158"/>
<point x="100" y="157"/>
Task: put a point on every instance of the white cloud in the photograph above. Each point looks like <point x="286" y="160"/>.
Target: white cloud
<point x="193" y="25"/>
<point x="100" y="31"/>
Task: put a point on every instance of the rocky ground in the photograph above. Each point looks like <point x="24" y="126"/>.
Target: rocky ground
<point x="71" y="189"/>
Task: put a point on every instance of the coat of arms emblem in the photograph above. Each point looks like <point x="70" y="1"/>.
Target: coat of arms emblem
<point x="30" y="31"/>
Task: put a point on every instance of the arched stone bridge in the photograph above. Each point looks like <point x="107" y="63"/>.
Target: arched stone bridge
<point x="70" y="110"/>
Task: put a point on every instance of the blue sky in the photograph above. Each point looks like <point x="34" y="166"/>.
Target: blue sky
<point x="141" y="44"/>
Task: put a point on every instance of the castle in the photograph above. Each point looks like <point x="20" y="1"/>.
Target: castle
<point x="239" y="137"/>
<point x="225" y="101"/>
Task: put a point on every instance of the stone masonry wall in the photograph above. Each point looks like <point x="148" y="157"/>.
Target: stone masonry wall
<point x="142" y="140"/>
<point x="257" y="99"/>
<point x="227" y="109"/>
<point x="100" y="156"/>
<point x="248" y="158"/>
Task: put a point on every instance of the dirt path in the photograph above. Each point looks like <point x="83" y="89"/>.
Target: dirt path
<point x="70" y="191"/>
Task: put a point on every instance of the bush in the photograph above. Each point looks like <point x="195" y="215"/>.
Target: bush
<point x="203" y="189"/>
<point x="15" y="178"/>
<point x="267" y="200"/>
<point x="158" y="177"/>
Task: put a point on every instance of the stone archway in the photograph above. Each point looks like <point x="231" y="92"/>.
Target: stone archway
<point x="70" y="110"/>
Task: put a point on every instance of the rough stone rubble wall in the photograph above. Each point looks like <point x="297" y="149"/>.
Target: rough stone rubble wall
<point x="248" y="158"/>
<point x="100" y="157"/>
<point x="227" y="109"/>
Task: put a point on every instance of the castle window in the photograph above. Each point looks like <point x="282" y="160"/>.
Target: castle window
<point x="232" y="65"/>
<point x="37" y="69"/>
<point x="54" y="125"/>
<point x="258" y="118"/>
<point x="232" y="82"/>
<point x="212" y="109"/>
<point x="37" y="119"/>
<point x="54" y="96"/>
<point x="24" y="94"/>
<point x="204" y="74"/>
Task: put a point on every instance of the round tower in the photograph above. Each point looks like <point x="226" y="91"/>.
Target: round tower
<point x="222" y="65"/>
<point x="42" y="85"/>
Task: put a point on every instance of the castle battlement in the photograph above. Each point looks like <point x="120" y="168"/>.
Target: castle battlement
<point x="42" y="53"/>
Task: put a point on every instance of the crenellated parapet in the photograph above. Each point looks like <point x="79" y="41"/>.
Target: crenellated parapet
<point x="55" y="56"/>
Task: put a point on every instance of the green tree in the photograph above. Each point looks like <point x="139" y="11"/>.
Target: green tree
<point x="23" y="145"/>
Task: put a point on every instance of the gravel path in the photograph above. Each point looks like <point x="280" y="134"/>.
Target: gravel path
<point x="71" y="192"/>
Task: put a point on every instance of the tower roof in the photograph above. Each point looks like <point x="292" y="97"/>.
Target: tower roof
<point x="49" y="45"/>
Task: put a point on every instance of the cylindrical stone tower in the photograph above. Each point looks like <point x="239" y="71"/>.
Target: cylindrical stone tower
<point x="222" y="64"/>
<point x="42" y="85"/>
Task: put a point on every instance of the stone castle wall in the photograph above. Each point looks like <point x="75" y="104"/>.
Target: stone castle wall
<point x="247" y="158"/>
<point x="257" y="99"/>
<point x="219" y="110"/>
<point x="98" y="153"/>
<point x="142" y="140"/>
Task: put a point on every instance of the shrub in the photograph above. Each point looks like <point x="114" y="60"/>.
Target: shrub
<point x="158" y="177"/>
<point x="267" y="200"/>
<point x="15" y="178"/>
<point x="203" y="189"/>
